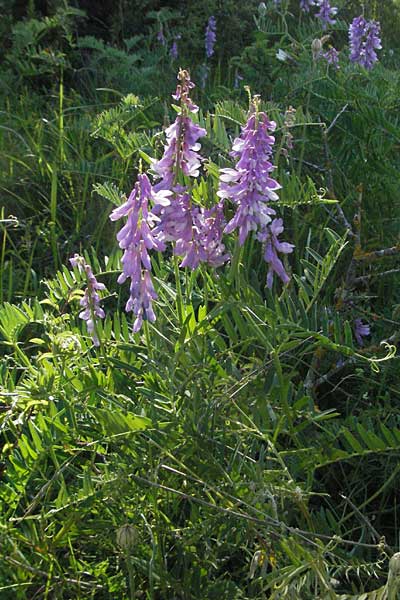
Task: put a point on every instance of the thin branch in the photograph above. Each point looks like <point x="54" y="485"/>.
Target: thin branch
<point x="375" y="254"/>
<point x="306" y="535"/>
<point x="336" y="118"/>
<point x="364" y="278"/>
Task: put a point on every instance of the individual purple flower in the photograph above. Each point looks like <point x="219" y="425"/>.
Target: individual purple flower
<point x="305" y="5"/>
<point x="364" y="37"/>
<point x="91" y="299"/>
<point x="269" y="237"/>
<point x="136" y="238"/>
<point x="210" y="36"/>
<point x="249" y="185"/>
<point x="332" y="57"/>
<point x="361" y="330"/>
<point x="326" y="13"/>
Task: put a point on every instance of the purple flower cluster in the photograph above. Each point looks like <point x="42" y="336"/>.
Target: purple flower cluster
<point x="91" y="299"/>
<point x="326" y="13"/>
<point x="364" y="39"/>
<point x="166" y="213"/>
<point x="332" y="57"/>
<point x="181" y="152"/>
<point x="210" y="36"/>
<point x="251" y="188"/>
<point x="136" y="238"/>
<point x="361" y="330"/>
<point x="196" y="232"/>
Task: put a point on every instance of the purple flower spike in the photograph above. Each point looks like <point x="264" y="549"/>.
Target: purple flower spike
<point x="361" y="330"/>
<point x="181" y="153"/>
<point x="326" y="13"/>
<point x="211" y="36"/>
<point x="249" y="185"/>
<point x="91" y="299"/>
<point x="136" y="238"/>
<point x="305" y="5"/>
<point x="364" y="39"/>
<point x="251" y="188"/>
<point x="269" y="237"/>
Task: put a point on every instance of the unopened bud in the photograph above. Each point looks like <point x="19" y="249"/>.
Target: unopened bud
<point x="316" y="48"/>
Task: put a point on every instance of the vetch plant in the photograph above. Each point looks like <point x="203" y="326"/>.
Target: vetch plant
<point x="166" y="212"/>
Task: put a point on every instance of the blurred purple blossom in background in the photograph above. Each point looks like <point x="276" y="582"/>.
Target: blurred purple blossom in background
<point x="91" y="299"/>
<point x="361" y="330"/>
<point x="210" y="36"/>
<point x="161" y="37"/>
<point x="364" y="39"/>
<point x="173" y="52"/>
<point x="305" y="5"/>
<point x="326" y="13"/>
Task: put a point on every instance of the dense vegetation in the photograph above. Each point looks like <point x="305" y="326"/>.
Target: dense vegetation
<point x="245" y="444"/>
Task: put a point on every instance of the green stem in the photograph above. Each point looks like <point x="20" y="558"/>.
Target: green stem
<point x="179" y="299"/>
<point x="235" y="264"/>
<point x="131" y="576"/>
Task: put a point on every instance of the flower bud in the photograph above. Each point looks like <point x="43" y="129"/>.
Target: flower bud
<point x="316" y="48"/>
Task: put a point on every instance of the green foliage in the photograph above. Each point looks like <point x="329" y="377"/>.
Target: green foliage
<point x="244" y="445"/>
